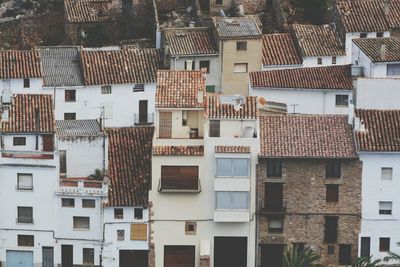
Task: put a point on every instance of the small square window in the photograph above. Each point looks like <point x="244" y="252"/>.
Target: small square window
<point x="139" y="87"/>
<point x="241" y="46"/>
<point x="384" y="244"/>
<point x="120" y="235"/>
<point x="275" y="225"/>
<point x="333" y="169"/>
<point x="379" y="34"/>
<point x="69" y="116"/>
<point x="342" y="100"/>
<point x="240" y="68"/>
<point x="190" y="228"/>
<point x="24" y="181"/>
<point x="118" y="213"/>
<point x="106" y="89"/>
<point x="274" y="168"/>
<point x="205" y="64"/>
<point x="88" y="203"/>
<point x="70" y="95"/>
<point x="333" y="60"/>
<point x="27" y="83"/>
<point x="81" y="223"/>
<point x="68" y="202"/>
<point x="332" y="193"/>
<point x="386" y="173"/>
<point x="138" y="214"/>
<point x="210" y="88"/>
<point x="189" y="64"/>
<point x="363" y="35"/>
<point x="25" y="214"/>
<point x="19" y="141"/>
<point x="319" y="61"/>
<point x="88" y="256"/>
<point x="331" y="250"/>
<point x="385" y="207"/>
<point x="26" y="240"/>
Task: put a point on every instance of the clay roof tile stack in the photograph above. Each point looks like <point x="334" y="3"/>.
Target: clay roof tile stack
<point x="20" y="64"/>
<point x="178" y="151"/>
<point x="279" y="49"/>
<point x="218" y="110"/>
<point x="84" y="11"/>
<point x="232" y="149"/>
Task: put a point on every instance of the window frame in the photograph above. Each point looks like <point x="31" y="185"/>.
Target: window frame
<point x="118" y="215"/>
<point x="231" y="201"/>
<point x="319" y="61"/>
<point x="85" y="257"/>
<point x="383" y="211"/>
<point x="379" y="34"/>
<point x="135" y="216"/>
<point x="334" y="60"/>
<point x="386" y="169"/>
<point x="25" y="219"/>
<point x="25" y="243"/>
<point x="202" y="67"/>
<point x="333" y="169"/>
<point x="384" y="247"/>
<point x="179" y="180"/>
<point x="331" y="237"/>
<point x="74" y="222"/>
<point x="70" y="95"/>
<point x="213" y="132"/>
<point x="340" y="99"/>
<point x="274" y="168"/>
<point x="67" y="202"/>
<point x="241" y="46"/>
<point x="232" y="168"/>
<point x="393" y="69"/>
<point x="27" y="83"/>
<point x="332" y="197"/>
<point x="236" y="65"/>
<point x="92" y="204"/>
<point x="19" y="141"/>
<point x="120" y="235"/>
<point x="139" y="87"/>
<point x="67" y="114"/>
<point x="363" y="35"/>
<point x="275" y="230"/>
<point x="106" y="90"/>
<point x="25" y="188"/>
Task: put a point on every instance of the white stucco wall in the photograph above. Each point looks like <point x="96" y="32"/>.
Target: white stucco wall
<point x="326" y="61"/>
<point x="377" y="93"/>
<point x="349" y="43"/>
<point x="17" y="86"/>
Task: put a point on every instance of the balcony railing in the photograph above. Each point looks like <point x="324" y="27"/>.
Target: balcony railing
<point x="143" y="119"/>
<point x="179" y="185"/>
<point x="274" y="207"/>
<point x="72" y="187"/>
<point x="27" y="154"/>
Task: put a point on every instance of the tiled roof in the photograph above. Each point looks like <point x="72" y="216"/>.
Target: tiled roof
<point x="234" y="27"/>
<point x="178" y="151"/>
<point x="120" y="66"/>
<point x="77" y="128"/>
<point x="61" y="66"/>
<point x="372" y="48"/>
<point x="30" y="113"/>
<point x="218" y="110"/>
<point x="382" y="130"/>
<point x="129" y="164"/>
<point x="362" y="16"/>
<point x="81" y="11"/>
<point x="232" y="149"/>
<point x="279" y="49"/>
<point x="190" y="41"/>
<point x="316" y="40"/>
<point x="393" y="16"/>
<point x="180" y="89"/>
<point x="306" y="136"/>
<point x="335" y="77"/>
<point x="20" y="64"/>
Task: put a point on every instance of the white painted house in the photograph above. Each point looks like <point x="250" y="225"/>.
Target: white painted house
<point x="377" y="93"/>
<point x="323" y="90"/>
<point x="379" y="149"/>
<point x="204" y="156"/>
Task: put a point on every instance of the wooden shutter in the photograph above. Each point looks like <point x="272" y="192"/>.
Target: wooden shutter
<point x="179" y="256"/>
<point x="165" y="125"/>
<point x="332" y="193"/>
<point x="48" y="142"/>
<point x="139" y="231"/>
<point x="179" y="177"/>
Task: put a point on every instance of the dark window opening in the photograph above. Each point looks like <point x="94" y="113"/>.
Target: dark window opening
<point x="379" y="34"/>
<point x="88" y="256"/>
<point x="241" y="46"/>
<point x="68" y="202"/>
<point x="274" y="168"/>
<point x="272" y="255"/>
<point x="19" y="141"/>
<point x="365" y="247"/>
<point x="333" y="169"/>
<point x="118" y="213"/>
<point x="27" y="83"/>
<point x="138" y="87"/>
<point x="138" y="214"/>
<point x="215" y="127"/>
<point x="88" y="203"/>
<point x="332" y="193"/>
<point x="342" y="100"/>
<point x="70" y="95"/>
<point x="273" y="197"/>
<point x="344" y="254"/>
<point x="363" y="35"/>
<point x="69" y="116"/>
<point x="205" y="64"/>
<point x="384" y="244"/>
<point x="331" y="249"/>
<point x="26" y="240"/>
<point x="25" y="214"/>
<point x="230" y="251"/>
<point x="180" y="177"/>
<point x="331" y="229"/>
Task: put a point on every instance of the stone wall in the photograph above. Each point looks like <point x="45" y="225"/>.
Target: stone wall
<point x="304" y="194"/>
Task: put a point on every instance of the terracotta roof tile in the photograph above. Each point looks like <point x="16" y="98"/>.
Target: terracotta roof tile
<point x="129" y="156"/>
<point x="178" y="151"/>
<point x="218" y="110"/>
<point x="232" y="149"/>
<point x="335" y="77"/>
<point x="382" y="130"/>
<point x="190" y="41"/>
<point x="393" y="16"/>
<point x="371" y="47"/>
<point x="279" y="49"/>
<point x="234" y="27"/>
<point x="25" y="111"/>
<point x="20" y="64"/>
<point x="121" y="66"/>
<point x="306" y="136"/>
<point x="81" y="11"/>
<point x="316" y="40"/>
<point x="180" y="89"/>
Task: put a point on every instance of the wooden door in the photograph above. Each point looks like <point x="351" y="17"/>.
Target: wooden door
<point x="48" y="142"/>
<point x="47" y="257"/>
<point x="179" y="256"/>
<point x="143" y="111"/>
<point x="165" y="124"/>
<point x="133" y="258"/>
<point x="67" y="255"/>
<point x="230" y="251"/>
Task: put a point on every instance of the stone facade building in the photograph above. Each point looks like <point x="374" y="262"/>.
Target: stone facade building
<point x="309" y="188"/>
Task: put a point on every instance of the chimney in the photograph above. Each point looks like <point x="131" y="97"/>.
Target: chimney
<point x="383" y="51"/>
<point x="386" y="7"/>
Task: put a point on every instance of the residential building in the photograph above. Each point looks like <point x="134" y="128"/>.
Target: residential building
<point x="318" y="45"/>
<point x="376" y="93"/>
<point x="309" y="188"/>
<point x="241" y="7"/>
<point x="240" y="47"/>
<point x="378" y="145"/>
<point x="193" y="49"/>
<point x="203" y="174"/>
<point x="378" y="57"/>
<point x="323" y="90"/>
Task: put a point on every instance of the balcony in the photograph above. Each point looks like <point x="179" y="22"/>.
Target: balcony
<point x="144" y="119"/>
<point x="179" y="185"/>
<point x="27" y="154"/>
<point x="274" y="207"/>
<point x="81" y="187"/>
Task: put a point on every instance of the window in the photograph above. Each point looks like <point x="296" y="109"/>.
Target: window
<point x="139" y="231"/>
<point x="342" y="100"/>
<point x="393" y="69"/>
<point x="331" y="250"/>
<point x="24" y="181"/>
<point x="179" y="256"/>
<point x="189" y="65"/>
<point x="81" y="223"/>
<point x="205" y="64"/>
<point x="118" y="213"/>
<point x="106" y="89"/>
<point x="331" y="229"/>
<point x="27" y="83"/>
<point x="241" y="46"/>
<point x="69" y="116"/>
<point x="384" y="244"/>
<point x="379" y="34"/>
<point x="273" y="197"/>
<point x="275" y="225"/>
<point x="88" y="256"/>
<point x="63" y="162"/>
<point x="333" y="168"/>
<point x="332" y="193"/>
<point x="139" y="87"/>
<point x="218" y="2"/>
<point x="274" y="168"/>
<point x="120" y="235"/>
<point x="333" y="60"/>
<point x="215" y="126"/>
<point x="19" y="141"/>
<point x="184" y="117"/>
<point x="319" y="61"/>
<point x="88" y="203"/>
<point x="70" y="95"/>
<point x="190" y="228"/>
<point x="240" y="67"/>
<point x="233" y="167"/>
<point x="365" y="247"/>
<point x="232" y="200"/>
<point x="386" y="173"/>
<point x="344" y="254"/>
<point x="179" y="177"/>
<point x="363" y="35"/>
<point x="210" y="88"/>
<point x="68" y="202"/>
<point x="26" y="240"/>
<point x="25" y="214"/>
<point x="138" y="214"/>
<point x="385" y="207"/>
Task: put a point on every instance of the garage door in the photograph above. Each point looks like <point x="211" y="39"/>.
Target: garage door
<point x="133" y="258"/>
<point x="19" y="258"/>
<point x="179" y="256"/>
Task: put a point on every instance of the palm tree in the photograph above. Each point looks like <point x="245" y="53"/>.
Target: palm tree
<point x="392" y="256"/>
<point x="295" y="257"/>
<point x="365" y="262"/>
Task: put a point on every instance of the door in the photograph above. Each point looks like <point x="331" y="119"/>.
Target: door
<point x="230" y="251"/>
<point x="272" y="255"/>
<point x="143" y="111"/>
<point x="273" y="196"/>
<point x="16" y="258"/>
<point x="48" y="142"/>
<point x="179" y="256"/>
<point x="67" y="255"/>
<point x="47" y="257"/>
<point x="165" y="125"/>
<point x="133" y="258"/>
<point x="365" y="246"/>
